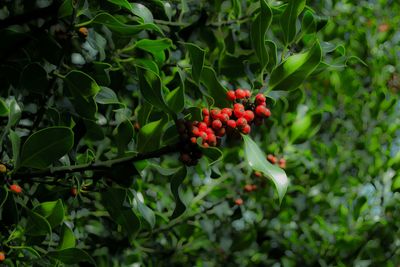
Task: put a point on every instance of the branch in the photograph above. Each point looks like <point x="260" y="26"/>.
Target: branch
<point x="99" y="165"/>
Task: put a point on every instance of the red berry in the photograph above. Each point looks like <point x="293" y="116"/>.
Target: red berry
<point x="216" y="124"/>
<point x="247" y="93"/>
<point x="193" y="140"/>
<point x="73" y="191"/>
<point x="231" y="95"/>
<point x="231" y="124"/>
<point x="206" y="120"/>
<point x="260" y="99"/>
<point x="261" y="111"/>
<point x="282" y="163"/>
<point x="246" y="129"/>
<point x="212" y="140"/>
<point x="202" y="126"/>
<point x="248" y="115"/>
<point x="238" y="201"/>
<point x="257" y="174"/>
<point x="238" y="113"/>
<point x="241" y="122"/>
<point x="2" y="256"/>
<point x="209" y="131"/>
<point x="206" y="145"/>
<point x="267" y="113"/>
<point x="238" y="106"/>
<point x="248" y="188"/>
<point x="271" y="158"/>
<point x="227" y="111"/>
<point x="223" y="117"/>
<point x="205" y="112"/>
<point x="214" y="113"/>
<point x="240" y="94"/>
<point x="203" y="135"/>
<point x="15" y="188"/>
<point x="221" y="132"/>
<point x="196" y="131"/>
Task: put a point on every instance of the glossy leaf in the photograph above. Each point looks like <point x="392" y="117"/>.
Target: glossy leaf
<point x="37" y="225"/>
<point x="106" y="96"/>
<point x="291" y="73"/>
<point x="16" y="147"/>
<point x="197" y="56"/>
<point x="155" y="47"/>
<point x="3" y="108"/>
<point x="258" y="32"/>
<point x="142" y="12"/>
<point x="150" y="136"/>
<point x="213" y="154"/>
<point x="71" y="256"/>
<point x="67" y="238"/>
<point x="118" y="26"/>
<point x="82" y="84"/>
<point x="15" y="113"/>
<point x="289" y="18"/>
<point x="176" y="181"/>
<point x="257" y="161"/>
<point x="45" y="146"/>
<point x="124" y="135"/>
<point x="176" y="99"/>
<point x="145" y="211"/>
<point x="214" y="87"/>
<point x="52" y="211"/>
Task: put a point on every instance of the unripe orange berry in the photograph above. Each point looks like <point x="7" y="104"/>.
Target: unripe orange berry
<point x="257" y="174"/>
<point x="3" y="168"/>
<point x="271" y="158"/>
<point x="15" y="188"/>
<point x="84" y="32"/>
<point x="282" y="163"/>
<point x="238" y="201"/>
<point x="2" y="256"/>
<point x="248" y="188"/>
<point x="193" y="140"/>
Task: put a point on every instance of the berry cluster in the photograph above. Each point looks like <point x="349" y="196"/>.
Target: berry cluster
<point x="281" y="162"/>
<point x="217" y="123"/>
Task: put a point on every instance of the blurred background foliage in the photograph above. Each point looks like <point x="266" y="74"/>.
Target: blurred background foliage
<point x="339" y="134"/>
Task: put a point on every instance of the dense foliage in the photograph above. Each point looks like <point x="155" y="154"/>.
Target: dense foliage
<point x="100" y="102"/>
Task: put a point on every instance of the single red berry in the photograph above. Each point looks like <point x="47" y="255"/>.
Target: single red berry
<point x="73" y="191"/>
<point x="246" y="129"/>
<point x="258" y="174"/>
<point x="247" y="93"/>
<point x="282" y="163"/>
<point x="15" y="188"/>
<point x="214" y="113"/>
<point x="231" y="95"/>
<point x="206" y="145"/>
<point x="223" y="117"/>
<point x="227" y="111"/>
<point x="231" y="124"/>
<point x="206" y="112"/>
<point x="206" y="120"/>
<point x="248" y="115"/>
<point x="221" y="132"/>
<point x="260" y="99"/>
<point x="203" y="135"/>
<point x="248" y="188"/>
<point x="212" y="139"/>
<point x="195" y="131"/>
<point x="267" y="113"/>
<point x="240" y="93"/>
<point x="241" y="122"/>
<point x="238" y="201"/>
<point x="238" y="106"/>
<point x="209" y="131"/>
<point x="216" y="124"/>
<point x="193" y="140"/>
<point x="2" y="256"/>
<point x="271" y="158"/>
<point x="202" y="126"/>
<point x="253" y="187"/>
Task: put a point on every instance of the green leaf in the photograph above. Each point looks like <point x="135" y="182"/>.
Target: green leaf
<point x="258" y="32"/>
<point x="82" y="84"/>
<point x="176" y="181"/>
<point x="45" y="146"/>
<point x="308" y="24"/>
<point x="305" y="126"/>
<point x="67" y="238"/>
<point x="272" y="55"/>
<point x="15" y="114"/>
<point x="289" y="18"/>
<point x="106" y="96"/>
<point x="124" y="135"/>
<point x="37" y="225"/>
<point x="122" y="3"/>
<point x="150" y="88"/>
<point x="176" y="99"/>
<point x="16" y="148"/>
<point x="155" y="47"/>
<point x="142" y="12"/>
<point x="214" y="87"/>
<point x="118" y="26"/>
<point x="66" y="9"/>
<point x="53" y="211"/>
<point x="71" y="256"/>
<point x="146" y="212"/>
<point x="34" y="78"/>
<point x="113" y="200"/>
<point x="150" y="136"/>
<point x="3" y="196"/>
<point x="213" y="153"/>
<point x="291" y="73"/>
<point x="3" y="108"/>
<point x="197" y="56"/>
<point x="257" y="161"/>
